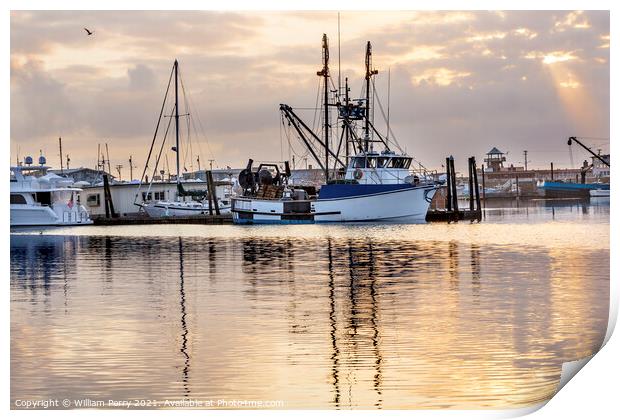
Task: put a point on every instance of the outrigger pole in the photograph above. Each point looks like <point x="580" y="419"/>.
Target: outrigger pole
<point x="298" y="124"/>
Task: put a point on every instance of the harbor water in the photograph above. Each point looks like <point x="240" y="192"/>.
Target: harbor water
<point x="461" y="315"/>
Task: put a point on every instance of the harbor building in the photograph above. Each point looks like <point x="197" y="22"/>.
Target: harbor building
<point x="124" y="195"/>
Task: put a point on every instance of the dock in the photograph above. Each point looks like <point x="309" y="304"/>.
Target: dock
<point x="203" y="219"/>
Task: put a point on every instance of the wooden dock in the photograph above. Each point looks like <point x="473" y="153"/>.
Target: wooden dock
<point x="203" y="219"/>
<point x="443" y="215"/>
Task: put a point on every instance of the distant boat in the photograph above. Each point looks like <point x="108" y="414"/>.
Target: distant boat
<point x="41" y="198"/>
<point x="599" y="193"/>
<point x="559" y="189"/>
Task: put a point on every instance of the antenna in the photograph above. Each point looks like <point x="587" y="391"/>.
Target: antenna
<point x="68" y="160"/>
<point x="339" y="79"/>
<point x="107" y="152"/>
<point x="60" y="147"/>
<point x="118" y="169"/>
<point x="198" y="161"/>
<point x="131" y="167"/>
<point x="387" y="136"/>
<point x="211" y="164"/>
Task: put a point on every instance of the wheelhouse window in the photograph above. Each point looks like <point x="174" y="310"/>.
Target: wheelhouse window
<point x="18" y="199"/>
<point x="160" y="195"/>
<point x="371" y="162"/>
<point x="382" y="162"/>
<point x="147" y="196"/>
<point x="358" y="162"/>
<point x="400" y="163"/>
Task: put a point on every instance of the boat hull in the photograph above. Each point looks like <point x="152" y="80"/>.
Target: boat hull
<point x="569" y="189"/>
<point x="408" y="204"/>
<point x="158" y="210"/>
<point x="45" y="216"/>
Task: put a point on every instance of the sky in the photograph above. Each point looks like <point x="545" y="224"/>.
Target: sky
<point x="461" y="82"/>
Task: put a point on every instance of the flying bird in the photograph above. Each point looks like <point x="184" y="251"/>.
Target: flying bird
<point x="88" y="32"/>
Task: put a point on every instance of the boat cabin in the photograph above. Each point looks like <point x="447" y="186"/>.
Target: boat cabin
<point x="386" y="167"/>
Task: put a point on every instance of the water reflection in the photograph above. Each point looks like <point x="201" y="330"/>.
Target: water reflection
<point x="319" y="322"/>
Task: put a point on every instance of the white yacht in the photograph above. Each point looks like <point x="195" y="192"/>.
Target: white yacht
<point x="39" y="198"/>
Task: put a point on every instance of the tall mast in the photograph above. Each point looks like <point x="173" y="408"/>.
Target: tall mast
<point x="346" y="126"/>
<point x="325" y="74"/>
<point x="176" y="117"/>
<point x="369" y="74"/>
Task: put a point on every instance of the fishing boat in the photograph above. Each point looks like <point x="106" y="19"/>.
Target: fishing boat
<point x="364" y="185"/>
<point x="189" y="202"/>
<point x="41" y="198"/>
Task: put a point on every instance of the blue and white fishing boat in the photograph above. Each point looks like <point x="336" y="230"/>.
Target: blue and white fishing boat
<point x="362" y="186"/>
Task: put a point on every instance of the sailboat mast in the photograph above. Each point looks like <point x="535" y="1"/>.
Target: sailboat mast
<point x="346" y="125"/>
<point x="176" y="117"/>
<point x="369" y="74"/>
<point x="325" y="74"/>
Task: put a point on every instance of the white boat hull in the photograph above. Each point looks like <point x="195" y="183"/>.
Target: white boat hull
<point x="165" y="209"/>
<point x="599" y="193"/>
<point x="408" y="205"/>
<point x="25" y="215"/>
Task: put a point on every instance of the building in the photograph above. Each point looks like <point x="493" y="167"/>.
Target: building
<point x="89" y="175"/>
<point x="495" y="160"/>
<point x="124" y="195"/>
<point x="599" y="169"/>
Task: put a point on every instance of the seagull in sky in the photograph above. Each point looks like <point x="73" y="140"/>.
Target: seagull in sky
<point x="88" y="31"/>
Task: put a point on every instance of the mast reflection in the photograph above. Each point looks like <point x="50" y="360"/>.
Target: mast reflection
<point x="184" y="329"/>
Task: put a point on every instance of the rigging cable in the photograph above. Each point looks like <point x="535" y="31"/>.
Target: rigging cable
<point x="148" y="158"/>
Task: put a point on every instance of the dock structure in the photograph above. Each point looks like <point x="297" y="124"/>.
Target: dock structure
<point x="452" y="212"/>
<point x="203" y="219"/>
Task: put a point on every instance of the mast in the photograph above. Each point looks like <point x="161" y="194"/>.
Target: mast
<point x="346" y="122"/>
<point x="369" y="74"/>
<point x="176" y="118"/>
<point x="325" y="74"/>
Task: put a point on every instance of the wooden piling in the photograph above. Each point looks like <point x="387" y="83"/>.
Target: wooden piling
<point x="552" y="171"/>
<point x="471" y="183"/>
<point x="455" y="198"/>
<point x="107" y="197"/>
<point x="212" y="194"/>
<point x="448" y="186"/>
<point x="477" y="188"/>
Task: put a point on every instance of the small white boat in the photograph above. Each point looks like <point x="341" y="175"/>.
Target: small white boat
<point x="180" y="208"/>
<point x="39" y="198"/>
<point x="599" y="193"/>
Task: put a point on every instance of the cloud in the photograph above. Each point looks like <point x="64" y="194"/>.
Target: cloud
<point x="460" y="81"/>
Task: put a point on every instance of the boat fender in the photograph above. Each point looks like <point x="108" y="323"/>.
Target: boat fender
<point x="358" y="173"/>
